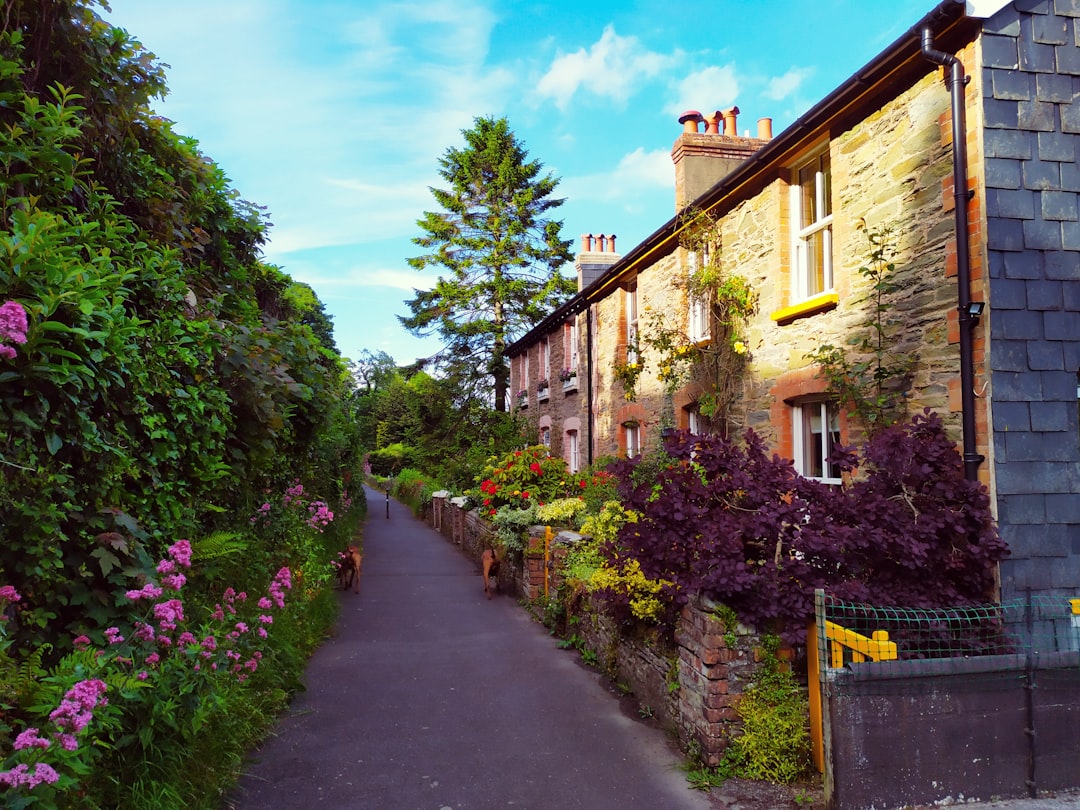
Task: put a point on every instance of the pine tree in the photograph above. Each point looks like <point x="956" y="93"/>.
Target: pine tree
<point x="502" y="254"/>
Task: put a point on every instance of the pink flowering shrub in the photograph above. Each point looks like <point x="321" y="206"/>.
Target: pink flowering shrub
<point x="293" y="524"/>
<point x="132" y="692"/>
<point x="13" y="327"/>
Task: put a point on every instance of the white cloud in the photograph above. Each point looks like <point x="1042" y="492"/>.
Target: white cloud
<point x="637" y="172"/>
<point x="612" y="67"/>
<point x="787" y="85"/>
<point x="406" y="280"/>
<point x="708" y="90"/>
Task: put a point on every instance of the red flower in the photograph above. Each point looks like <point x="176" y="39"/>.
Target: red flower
<point x="582" y="483"/>
<point x="487" y="501"/>
<point x="524" y="494"/>
<point x="535" y="467"/>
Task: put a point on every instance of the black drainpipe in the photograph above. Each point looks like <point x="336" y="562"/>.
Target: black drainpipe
<point x="589" y="384"/>
<point x="956" y="82"/>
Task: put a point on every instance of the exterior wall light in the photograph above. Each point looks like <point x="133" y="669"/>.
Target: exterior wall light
<point x="975" y="310"/>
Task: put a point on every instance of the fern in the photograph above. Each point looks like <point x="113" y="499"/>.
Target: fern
<point x="218" y="544"/>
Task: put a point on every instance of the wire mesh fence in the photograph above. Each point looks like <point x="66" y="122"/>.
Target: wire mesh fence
<point x="1032" y="632"/>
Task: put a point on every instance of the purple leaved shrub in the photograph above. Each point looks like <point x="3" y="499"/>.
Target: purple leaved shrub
<point x="738" y="524"/>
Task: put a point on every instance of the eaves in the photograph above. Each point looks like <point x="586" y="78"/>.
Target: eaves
<point x="899" y="65"/>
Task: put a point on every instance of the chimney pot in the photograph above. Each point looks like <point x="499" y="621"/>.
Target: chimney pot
<point x="611" y="243"/>
<point x="764" y="129"/>
<point x="712" y="123"/>
<point x="586" y="243"/>
<point x="601" y="243"/>
<point x="730" y="126"/>
<point x="690" y="120"/>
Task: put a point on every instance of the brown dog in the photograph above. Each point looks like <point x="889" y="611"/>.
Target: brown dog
<point x="349" y="562"/>
<point x="489" y="565"/>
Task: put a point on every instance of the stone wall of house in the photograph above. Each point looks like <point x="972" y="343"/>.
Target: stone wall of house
<point x="563" y="407"/>
<point x="891" y="169"/>
<point x="1030" y="81"/>
<point x="659" y="296"/>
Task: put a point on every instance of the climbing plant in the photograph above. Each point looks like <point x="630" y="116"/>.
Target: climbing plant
<point x="870" y="374"/>
<point x="716" y="358"/>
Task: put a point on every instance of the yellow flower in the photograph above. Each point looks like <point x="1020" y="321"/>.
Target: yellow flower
<point x="739" y="347"/>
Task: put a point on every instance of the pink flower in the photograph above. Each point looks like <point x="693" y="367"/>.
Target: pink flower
<point x="9" y="594"/>
<point x="20" y="776"/>
<point x="181" y="552"/>
<point x="13" y="326"/>
<point x="112" y="635"/>
<point x="173" y="582"/>
<point x="81" y="642"/>
<point x="30" y="739"/>
<point x="147" y="591"/>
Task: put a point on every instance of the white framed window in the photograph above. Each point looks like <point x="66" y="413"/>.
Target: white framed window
<point x="698" y="320"/>
<point x="633" y="439"/>
<point x="816" y="432"/>
<point x="545" y="436"/>
<point x="573" y="463"/>
<point x="696" y="423"/>
<point x="631" y="323"/>
<point x="570" y="344"/>
<point x="811" y="228"/>
<point x="545" y="360"/>
<point x="525" y="370"/>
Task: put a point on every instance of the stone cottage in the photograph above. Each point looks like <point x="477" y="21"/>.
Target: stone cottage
<point x="960" y="141"/>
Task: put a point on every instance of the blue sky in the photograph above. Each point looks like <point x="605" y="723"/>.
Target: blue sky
<point x="333" y="113"/>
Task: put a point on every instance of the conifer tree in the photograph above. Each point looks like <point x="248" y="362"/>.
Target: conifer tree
<point x="501" y="253"/>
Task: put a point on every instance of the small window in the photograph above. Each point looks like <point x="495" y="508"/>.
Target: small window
<point x="631" y="324"/>
<point x="698" y="316"/>
<point x="817" y="433"/>
<point x="811" y="226"/>
<point x="545" y="436"/>
<point x="545" y="360"/>
<point x="697" y="424"/>
<point x="633" y="439"/>
<point x="572" y="461"/>
<point x="570" y="344"/>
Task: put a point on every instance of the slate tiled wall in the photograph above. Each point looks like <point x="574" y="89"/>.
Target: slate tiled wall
<point x="1031" y="103"/>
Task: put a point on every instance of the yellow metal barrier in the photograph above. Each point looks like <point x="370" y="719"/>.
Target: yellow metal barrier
<point x="876" y="647"/>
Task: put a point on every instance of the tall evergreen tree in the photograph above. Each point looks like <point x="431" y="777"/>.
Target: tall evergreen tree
<point x="502" y="254"/>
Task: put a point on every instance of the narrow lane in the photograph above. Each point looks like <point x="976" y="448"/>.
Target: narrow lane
<point x="431" y="697"/>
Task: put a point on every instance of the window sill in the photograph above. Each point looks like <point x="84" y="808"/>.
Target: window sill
<point x="542" y="395"/>
<point x="569" y="385"/>
<point x="811" y="306"/>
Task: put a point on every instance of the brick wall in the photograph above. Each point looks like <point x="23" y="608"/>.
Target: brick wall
<point x="1031" y="104"/>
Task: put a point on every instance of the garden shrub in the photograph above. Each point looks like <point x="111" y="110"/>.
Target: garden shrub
<point x="739" y="525"/>
<point x="775" y="741"/>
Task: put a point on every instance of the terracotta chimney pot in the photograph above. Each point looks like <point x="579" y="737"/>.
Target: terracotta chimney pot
<point x="690" y="120"/>
<point x="611" y="243"/>
<point x="764" y="129"/>
<point x="601" y="243"/>
<point x="586" y="243"/>
<point x="712" y="123"/>
<point x="730" y="126"/>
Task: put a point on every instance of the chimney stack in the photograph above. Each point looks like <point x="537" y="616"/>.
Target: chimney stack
<point x="597" y="255"/>
<point x="702" y="159"/>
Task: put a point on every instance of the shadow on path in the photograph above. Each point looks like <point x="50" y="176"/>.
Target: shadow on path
<point x="431" y="697"/>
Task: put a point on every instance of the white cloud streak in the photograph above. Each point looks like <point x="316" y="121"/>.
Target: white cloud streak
<point x="611" y="68"/>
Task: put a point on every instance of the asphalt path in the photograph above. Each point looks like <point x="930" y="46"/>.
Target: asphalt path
<point x="431" y="697"/>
